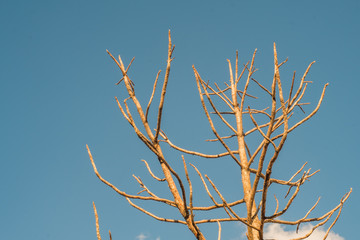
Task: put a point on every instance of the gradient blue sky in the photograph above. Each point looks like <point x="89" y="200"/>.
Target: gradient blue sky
<point x="57" y="94"/>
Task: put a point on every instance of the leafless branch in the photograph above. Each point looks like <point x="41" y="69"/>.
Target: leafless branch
<point x="97" y="223"/>
<point x="152" y="94"/>
<point x="151" y="173"/>
<point x="254" y="160"/>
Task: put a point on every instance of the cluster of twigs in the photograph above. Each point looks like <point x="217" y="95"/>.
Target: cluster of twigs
<point x="255" y="166"/>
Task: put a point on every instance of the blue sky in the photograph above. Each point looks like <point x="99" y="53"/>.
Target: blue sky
<point x="57" y="94"/>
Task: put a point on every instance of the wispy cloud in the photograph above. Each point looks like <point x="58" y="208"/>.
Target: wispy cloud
<point x="278" y="232"/>
<point x="141" y="236"/>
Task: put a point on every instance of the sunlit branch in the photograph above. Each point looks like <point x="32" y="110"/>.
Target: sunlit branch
<point x="171" y="203"/>
<point x="254" y="166"/>
<point x="213" y="106"/>
<point x="219" y="232"/>
<point x="152" y="94"/>
<point x="198" y="80"/>
<point x="97" y="223"/>
<point x="153" y="215"/>
<point x="151" y="173"/>
<point x="163" y="91"/>
<point x="166" y="139"/>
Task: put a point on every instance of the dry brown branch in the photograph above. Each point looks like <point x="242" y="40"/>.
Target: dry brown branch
<point x="142" y="185"/>
<point x="171" y="203"/>
<point x="191" y="207"/>
<point x="277" y="204"/>
<point x="251" y="71"/>
<point x="215" y="140"/>
<point x="281" y="182"/>
<point x="307" y="214"/>
<point x="97" y="223"/>
<point x="198" y="80"/>
<point x="283" y="62"/>
<point x="254" y="162"/>
<point x="326" y="216"/>
<point x="228" y="207"/>
<point x="219" y="233"/>
<point x="163" y="91"/>
<point x="126" y="72"/>
<point x="205" y="186"/>
<point x="151" y="173"/>
<point x="239" y="93"/>
<point x="264" y="88"/>
<point x="153" y="215"/>
<point x="261" y="132"/>
<point x="255" y="111"/>
<point x="290" y="201"/>
<point x="223" y="97"/>
<point x="301" y="83"/>
<point x="243" y="71"/>
<point x="205" y="86"/>
<point x="166" y="139"/>
<point x="152" y="94"/>
<point x="291" y="88"/>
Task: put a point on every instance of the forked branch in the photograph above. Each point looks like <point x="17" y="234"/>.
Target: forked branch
<point x="254" y="161"/>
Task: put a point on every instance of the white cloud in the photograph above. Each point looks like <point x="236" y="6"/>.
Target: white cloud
<point x="141" y="236"/>
<point x="278" y="232"/>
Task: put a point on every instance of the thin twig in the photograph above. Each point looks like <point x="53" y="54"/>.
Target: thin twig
<point x="152" y="94"/>
<point x="151" y="173"/>
<point x="97" y="223"/>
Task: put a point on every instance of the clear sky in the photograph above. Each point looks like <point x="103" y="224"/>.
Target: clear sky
<point x="57" y="94"/>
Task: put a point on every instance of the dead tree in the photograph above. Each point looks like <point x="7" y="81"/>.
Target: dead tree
<point x="255" y="164"/>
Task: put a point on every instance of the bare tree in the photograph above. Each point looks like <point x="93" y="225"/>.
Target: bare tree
<point x="255" y="164"/>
